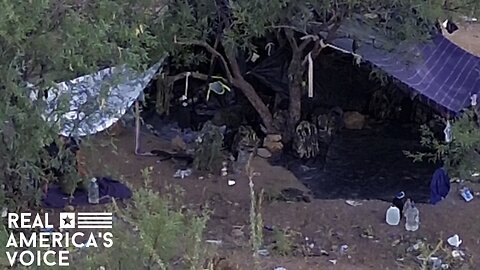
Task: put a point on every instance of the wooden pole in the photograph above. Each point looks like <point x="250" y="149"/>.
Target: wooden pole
<point x="137" y="128"/>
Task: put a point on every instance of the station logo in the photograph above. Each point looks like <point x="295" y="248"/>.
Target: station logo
<point x="51" y="248"/>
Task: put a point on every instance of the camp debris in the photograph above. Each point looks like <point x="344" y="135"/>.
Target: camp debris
<point x="182" y="173"/>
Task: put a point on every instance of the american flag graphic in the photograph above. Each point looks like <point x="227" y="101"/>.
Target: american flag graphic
<point x="94" y="220"/>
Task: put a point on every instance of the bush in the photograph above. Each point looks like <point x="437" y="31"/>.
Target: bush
<point x="461" y="157"/>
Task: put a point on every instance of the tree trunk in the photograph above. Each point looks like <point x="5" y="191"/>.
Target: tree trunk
<point x="247" y="89"/>
<point x="295" y="71"/>
<point x="257" y="103"/>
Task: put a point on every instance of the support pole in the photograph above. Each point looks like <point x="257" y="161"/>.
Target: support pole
<point x="137" y="128"/>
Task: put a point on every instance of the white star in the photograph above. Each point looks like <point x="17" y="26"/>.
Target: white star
<point x="67" y="220"/>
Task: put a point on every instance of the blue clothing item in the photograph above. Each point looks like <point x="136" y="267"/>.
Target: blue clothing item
<point x="440" y="186"/>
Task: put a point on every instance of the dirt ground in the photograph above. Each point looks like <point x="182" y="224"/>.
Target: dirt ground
<point x="372" y="244"/>
<point x="467" y="37"/>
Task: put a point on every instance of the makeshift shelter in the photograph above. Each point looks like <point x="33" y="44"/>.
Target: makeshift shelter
<point x="444" y="75"/>
<point x="92" y="103"/>
<point x="370" y="163"/>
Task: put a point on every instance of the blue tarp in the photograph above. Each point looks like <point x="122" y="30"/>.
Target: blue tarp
<point x="440" y="71"/>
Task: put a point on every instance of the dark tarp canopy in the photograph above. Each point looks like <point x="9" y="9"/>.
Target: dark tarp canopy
<point x="444" y="75"/>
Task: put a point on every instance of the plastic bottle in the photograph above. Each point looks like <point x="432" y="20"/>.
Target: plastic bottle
<point x="412" y="218"/>
<point x="93" y="193"/>
<point x="393" y="216"/>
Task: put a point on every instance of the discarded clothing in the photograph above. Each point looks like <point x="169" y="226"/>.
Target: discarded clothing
<point x="108" y="188"/>
<point x="399" y="202"/>
<point x="440" y="186"/>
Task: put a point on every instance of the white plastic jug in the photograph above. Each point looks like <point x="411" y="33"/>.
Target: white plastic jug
<point x="393" y="216"/>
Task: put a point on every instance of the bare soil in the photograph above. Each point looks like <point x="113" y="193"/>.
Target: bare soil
<point x="372" y="244"/>
<point x="467" y="37"/>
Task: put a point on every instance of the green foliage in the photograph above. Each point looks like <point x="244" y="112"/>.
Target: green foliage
<point x="256" y="219"/>
<point x="460" y="157"/>
<point x="284" y="242"/>
<point x="208" y="152"/>
<point x="44" y="42"/>
<point x="159" y="231"/>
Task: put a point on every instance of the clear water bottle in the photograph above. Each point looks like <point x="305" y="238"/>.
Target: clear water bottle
<point x="93" y="193"/>
<point x="412" y="216"/>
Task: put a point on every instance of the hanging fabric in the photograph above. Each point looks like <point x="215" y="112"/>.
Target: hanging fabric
<point x="218" y="88"/>
<point x="473" y="100"/>
<point x="268" y="48"/>
<point x="448" y="132"/>
<point x="185" y="95"/>
<point x="310" y="75"/>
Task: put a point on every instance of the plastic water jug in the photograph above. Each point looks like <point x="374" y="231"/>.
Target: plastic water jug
<point x="412" y="216"/>
<point x="393" y="216"/>
<point x="93" y="193"/>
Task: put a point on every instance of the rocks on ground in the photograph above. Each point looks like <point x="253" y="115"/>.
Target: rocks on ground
<point x="273" y="143"/>
<point x="263" y="153"/>
<point x="354" y="120"/>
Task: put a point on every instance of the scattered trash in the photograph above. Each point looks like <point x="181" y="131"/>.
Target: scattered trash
<point x="431" y="259"/>
<point x="412" y="216"/>
<point x="466" y="194"/>
<point x="269" y="228"/>
<point x="215" y="242"/>
<point x="201" y="178"/>
<point x="353" y="203"/>
<point x="371" y="15"/>
<point x="457" y="254"/>
<point x="367" y="233"/>
<point x="224" y="171"/>
<point x="4" y="212"/>
<point x="263" y="252"/>
<point x="455" y="180"/>
<point x="392" y="217"/>
<point x="280" y="268"/>
<point x="448" y="132"/>
<point x="343" y="249"/>
<point x="306" y="168"/>
<point x="437" y="263"/>
<point x="333" y="261"/>
<point x="182" y="173"/>
<point x="418" y="245"/>
<point x="231" y="182"/>
<point x="309" y="243"/>
<point x="396" y="242"/>
<point x="445" y="266"/>
<point x="454" y="241"/>
<point x="323" y="252"/>
<point x="399" y="201"/>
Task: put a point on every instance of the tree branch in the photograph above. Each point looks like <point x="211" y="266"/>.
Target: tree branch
<point x="232" y="57"/>
<point x="211" y="50"/>
<point x="305" y="42"/>
<point x="288" y="27"/>
<point x="291" y="39"/>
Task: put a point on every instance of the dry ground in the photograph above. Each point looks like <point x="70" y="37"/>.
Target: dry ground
<point x="331" y="223"/>
<point x="467" y="37"/>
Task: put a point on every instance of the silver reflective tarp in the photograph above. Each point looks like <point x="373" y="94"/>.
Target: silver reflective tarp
<point x="92" y="103"/>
